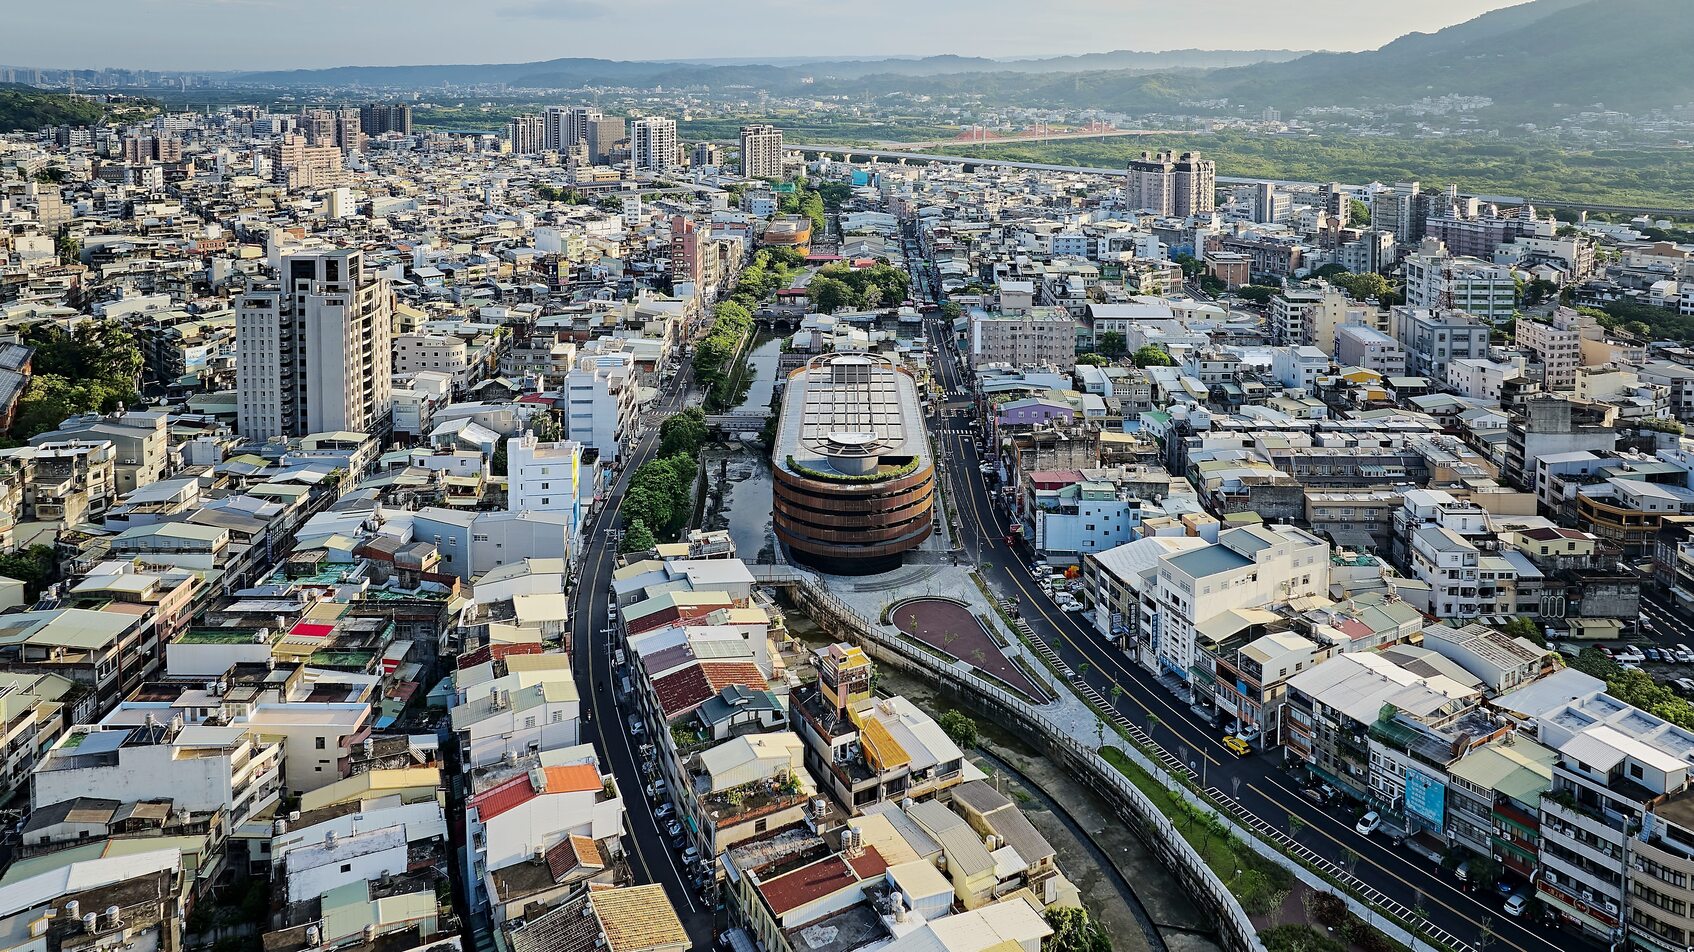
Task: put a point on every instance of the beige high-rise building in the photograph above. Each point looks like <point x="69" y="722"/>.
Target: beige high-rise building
<point x="761" y="151"/>
<point x="296" y="164"/>
<point x="1165" y="184"/>
<point x="602" y="136"/>
<point x="314" y="349"/>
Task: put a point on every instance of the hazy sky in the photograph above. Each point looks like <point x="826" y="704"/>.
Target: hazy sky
<point x="276" y="34"/>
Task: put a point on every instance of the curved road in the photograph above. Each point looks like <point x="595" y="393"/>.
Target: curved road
<point x="1255" y="781"/>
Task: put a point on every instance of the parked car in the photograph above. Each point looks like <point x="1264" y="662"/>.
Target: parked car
<point x="1516" y="903"/>
<point x="1237" y="746"/>
<point x="690" y="856"/>
<point x="657" y="789"/>
<point x="1368" y="823"/>
<point x="674" y="829"/>
<point x="636" y="727"/>
<point x="664" y="810"/>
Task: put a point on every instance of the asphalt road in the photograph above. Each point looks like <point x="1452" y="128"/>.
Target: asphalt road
<point x="1258" y="781"/>
<point x="651" y="859"/>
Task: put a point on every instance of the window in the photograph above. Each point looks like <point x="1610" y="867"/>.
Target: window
<point x="319" y="741"/>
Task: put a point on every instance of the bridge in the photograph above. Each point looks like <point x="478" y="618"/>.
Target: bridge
<point x="849" y="153"/>
<point x="741" y="421"/>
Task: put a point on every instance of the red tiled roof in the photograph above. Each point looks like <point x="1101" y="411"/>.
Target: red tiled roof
<point x="496" y="652"/>
<point x="1055" y="478"/>
<point x="1353" y="628"/>
<point x="575" y="778"/>
<point x="494" y="801"/>
<point x="722" y="674"/>
<point x="869" y="863"/>
<point x="683" y="690"/>
<point x="573" y="852"/>
<point x="807" y="884"/>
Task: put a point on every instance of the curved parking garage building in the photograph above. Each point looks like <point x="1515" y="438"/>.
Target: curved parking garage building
<point x="855" y="482"/>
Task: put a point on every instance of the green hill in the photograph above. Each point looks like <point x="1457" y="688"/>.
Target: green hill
<point x="1627" y="54"/>
<point x="25" y="109"/>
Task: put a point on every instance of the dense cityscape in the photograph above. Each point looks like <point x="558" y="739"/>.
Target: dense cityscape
<point x="486" y="509"/>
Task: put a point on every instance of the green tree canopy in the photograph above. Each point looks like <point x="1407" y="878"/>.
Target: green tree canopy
<point x="637" y="537"/>
<point x="1091" y="360"/>
<point x="1150" y="356"/>
<point x="958" y="726"/>
<point x="828" y="294"/>
<point x="35" y="566"/>
<point x="1363" y="286"/>
<point x="1111" y="344"/>
<point x="684" y="433"/>
<point x="1526" y="628"/>
<point x="1074" y="931"/>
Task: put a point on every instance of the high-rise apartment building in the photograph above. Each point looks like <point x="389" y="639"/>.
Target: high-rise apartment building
<point x="1401" y="210"/>
<point x="686" y="246"/>
<point x="527" y="134"/>
<point x="652" y="143"/>
<point x="377" y="118"/>
<point x="761" y="151"/>
<point x="313" y="351"/>
<point x="295" y="164"/>
<point x="553" y="122"/>
<point x="1196" y="185"/>
<point x="1165" y="184"/>
<point x="603" y="135"/>
<point x="333" y="127"/>
<point x="565" y="126"/>
<point x="1337" y="203"/>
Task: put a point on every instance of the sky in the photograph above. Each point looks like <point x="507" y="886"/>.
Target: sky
<point x="297" y="34"/>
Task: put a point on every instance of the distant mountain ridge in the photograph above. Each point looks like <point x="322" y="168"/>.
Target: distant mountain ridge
<point x="574" y="71"/>
<point x="1542" y="58"/>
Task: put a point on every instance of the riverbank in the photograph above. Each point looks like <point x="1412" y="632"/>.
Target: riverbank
<point x="1142" y="906"/>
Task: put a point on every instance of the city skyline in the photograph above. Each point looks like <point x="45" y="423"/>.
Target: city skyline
<point x="173" y="34"/>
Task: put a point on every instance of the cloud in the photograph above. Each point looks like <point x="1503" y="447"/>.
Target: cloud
<point x="557" y="10"/>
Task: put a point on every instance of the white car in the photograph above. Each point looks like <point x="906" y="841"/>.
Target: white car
<point x="1368" y="823"/>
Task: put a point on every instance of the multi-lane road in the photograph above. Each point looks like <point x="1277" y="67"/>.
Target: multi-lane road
<point x="1259" y="781"/>
<point x="650" y="859"/>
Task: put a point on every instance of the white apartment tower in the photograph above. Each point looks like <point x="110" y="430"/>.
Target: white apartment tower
<point x="566" y="126"/>
<point x="528" y="134"/>
<point x="542" y="477"/>
<point x="652" y="143"/>
<point x="761" y="151"/>
<point x="313" y="351"/>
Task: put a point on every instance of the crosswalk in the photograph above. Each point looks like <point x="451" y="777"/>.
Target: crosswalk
<point x="959" y="431"/>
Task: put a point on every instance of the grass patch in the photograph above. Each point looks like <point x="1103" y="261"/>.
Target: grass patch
<point x="1257" y="883"/>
